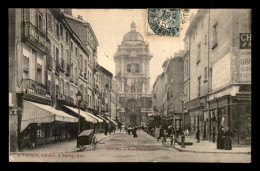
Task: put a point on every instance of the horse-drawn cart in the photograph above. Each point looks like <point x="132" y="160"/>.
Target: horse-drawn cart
<point x="87" y="137"/>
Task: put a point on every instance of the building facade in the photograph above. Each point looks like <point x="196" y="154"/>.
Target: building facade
<point x="132" y="78"/>
<point x="217" y="73"/>
<point x="48" y="65"/>
<point x="168" y="92"/>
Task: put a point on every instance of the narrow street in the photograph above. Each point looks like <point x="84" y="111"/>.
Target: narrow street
<point x="121" y="147"/>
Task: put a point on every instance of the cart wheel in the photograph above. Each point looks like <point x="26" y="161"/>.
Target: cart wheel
<point x="81" y="147"/>
<point x="94" y="143"/>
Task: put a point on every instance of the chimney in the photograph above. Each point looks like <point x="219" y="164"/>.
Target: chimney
<point x="80" y="17"/>
<point x="68" y="11"/>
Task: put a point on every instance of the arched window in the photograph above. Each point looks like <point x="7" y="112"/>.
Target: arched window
<point x="133" y="89"/>
<point x="129" y="68"/>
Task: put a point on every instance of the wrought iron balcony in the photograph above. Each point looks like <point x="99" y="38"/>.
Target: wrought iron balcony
<point x="62" y="65"/>
<point x="49" y="62"/>
<point x="35" y="88"/>
<point x="35" y="37"/>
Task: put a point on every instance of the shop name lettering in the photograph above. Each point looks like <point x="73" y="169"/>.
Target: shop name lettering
<point x="130" y="149"/>
<point x="245" y="40"/>
<point x="36" y="155"/>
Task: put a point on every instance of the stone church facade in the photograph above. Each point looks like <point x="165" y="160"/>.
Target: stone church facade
<point x="132" y="61"/>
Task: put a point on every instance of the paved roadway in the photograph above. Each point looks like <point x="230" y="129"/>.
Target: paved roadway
<point x="122" y="147"/>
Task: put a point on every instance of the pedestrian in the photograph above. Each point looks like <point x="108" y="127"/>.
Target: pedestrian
<point x="198" y="135"/>
<point x="175" y="136"/>
<point x="228" y="140"/>
<point x="161" y="133"/>
<point x="134" y="132"/>
<point x="220" y="138"/>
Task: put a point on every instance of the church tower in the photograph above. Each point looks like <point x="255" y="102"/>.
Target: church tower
<point x="132" y="75"/>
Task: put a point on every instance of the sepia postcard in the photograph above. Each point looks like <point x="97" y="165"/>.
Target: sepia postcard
<point x="129" y="85"/>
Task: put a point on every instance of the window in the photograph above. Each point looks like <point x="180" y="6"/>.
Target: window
<point x="133" y="89"/>
<point x="129" y="68"/>
<point x="71" y="46"/>
<point x="49" y="20"/>
<point x="57" y="54"/>
<point x="81" y="64"/>
<point x="215" y="32"/>
<point x="199" y="86"/>
<point x="61" y="31"/>
<point x="39" y="75"/>
<point x="133" y="68"/>
<point x="62" y="57"/>
<point x="67" y="37"/>
<point x="205" y="74"/>
<point x="198" y="57"/>
<point x="67" y="57"/>
<point x="54" y="52"/>
<point x="76" y="51"/>
<point x="57" y="29"/>
<point x="40" y="27"/>
<point x="137" y="68"/>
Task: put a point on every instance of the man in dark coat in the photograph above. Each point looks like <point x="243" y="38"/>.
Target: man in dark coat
<point x="220" y="140"/>
<point x="134" y="132"/>
<point x="228" y="140"/>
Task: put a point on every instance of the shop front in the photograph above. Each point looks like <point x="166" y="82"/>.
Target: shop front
<point x="42" y="124"/>
<point x="233" y="112"/>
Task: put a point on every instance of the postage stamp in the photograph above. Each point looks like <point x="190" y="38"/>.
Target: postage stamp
<point x="163" y="21"/>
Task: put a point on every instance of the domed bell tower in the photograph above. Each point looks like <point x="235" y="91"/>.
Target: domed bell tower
<point x="132" y="75"/>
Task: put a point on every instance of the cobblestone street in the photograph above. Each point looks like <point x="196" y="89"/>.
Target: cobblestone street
<point x="121" y="147"/>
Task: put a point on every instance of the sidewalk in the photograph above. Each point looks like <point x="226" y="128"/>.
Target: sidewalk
<point x="65" y="146"/>
<point x="205" y="146"/>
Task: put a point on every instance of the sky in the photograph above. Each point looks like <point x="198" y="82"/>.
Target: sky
<point x="110" y="25"/>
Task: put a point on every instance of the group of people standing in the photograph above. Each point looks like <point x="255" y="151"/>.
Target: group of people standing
<point x="109" y="128"/>
<point x="224" y="140"/>
<point x="133" y="130"/>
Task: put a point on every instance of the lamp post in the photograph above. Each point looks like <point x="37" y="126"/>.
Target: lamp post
<point x="182" y="98"/>
<point x="79" y="99"/>
<point x="109" y="90"/>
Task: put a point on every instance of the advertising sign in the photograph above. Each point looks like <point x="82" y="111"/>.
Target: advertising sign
<point x="221" y="72"/>
<point x="245" y="40"/>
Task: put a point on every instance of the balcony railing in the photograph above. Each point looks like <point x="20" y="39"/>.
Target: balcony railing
<point x="62" y="66"/>
<point x="36" y="37"/>
<point x="49" y="62"/>
<point x="36" y="88"/>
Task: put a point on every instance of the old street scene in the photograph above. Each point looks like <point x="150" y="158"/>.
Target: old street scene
<point x="110" y="85"/>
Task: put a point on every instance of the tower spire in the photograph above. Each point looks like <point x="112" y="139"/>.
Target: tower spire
<point x="133" y="26"/>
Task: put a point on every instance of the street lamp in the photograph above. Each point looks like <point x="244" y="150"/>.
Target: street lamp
<point x="182" y="98"/>
<point x="109" y="90"/>
<point x="79" y="99"/>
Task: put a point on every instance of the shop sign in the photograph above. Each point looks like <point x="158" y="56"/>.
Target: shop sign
<point x="221" y="72"/>
<point x="245" y="40"/>
<point x="245" y="66"/>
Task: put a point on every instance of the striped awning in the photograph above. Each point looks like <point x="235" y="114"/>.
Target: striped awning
<point x="107" y="121"/>
<point x="95" y="117"/>
<point x="83" y="114"/>
<point x="39" y="113"/>
<point x="112" y="121"/>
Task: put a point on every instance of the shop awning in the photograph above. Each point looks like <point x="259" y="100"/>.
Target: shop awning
<point x="95" y="117"/>
<point x="83" y="114"/>
<point x="112" y="121"/>
<point x="107" y="121"/>
<point x="39" y="113"/>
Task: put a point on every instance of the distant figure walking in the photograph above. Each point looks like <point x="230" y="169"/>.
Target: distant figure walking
<point x="220" y="139"/>
<point x="228" y="140"/>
